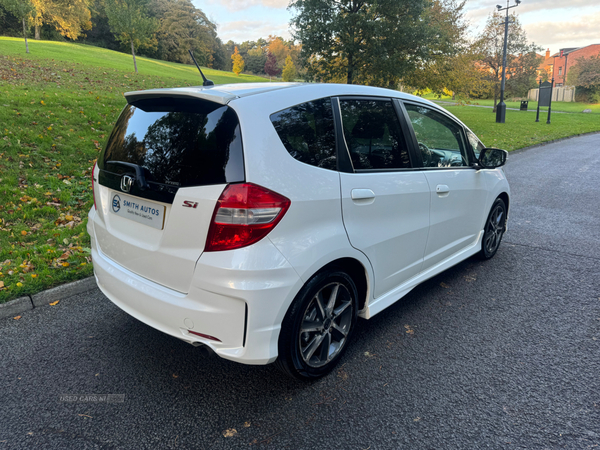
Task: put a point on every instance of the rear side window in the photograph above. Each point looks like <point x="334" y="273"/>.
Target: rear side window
<point x="172" y="143"/>
<point x="307" y="132"/>
<point x="373" y="135"/>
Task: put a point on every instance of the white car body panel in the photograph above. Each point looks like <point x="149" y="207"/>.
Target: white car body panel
<point x="215" y="304"/>
<point x="407" y="233"/>
<point x="394" y="295"/>
<point x="167" y="256"/>
<point x="391" y="227"/>
<point x="456" y="218"/>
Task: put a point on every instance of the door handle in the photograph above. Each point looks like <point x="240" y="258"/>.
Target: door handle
<point x="442" y="189"/>
<point x="362" y="194"/>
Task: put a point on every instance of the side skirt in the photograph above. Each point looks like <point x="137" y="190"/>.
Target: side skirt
<point x="391" y="297"/>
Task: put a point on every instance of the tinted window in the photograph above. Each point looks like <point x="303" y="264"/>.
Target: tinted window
<point x="307" y="132"/>
<point x="373" y="135"/>
<point x="475" y="143"/>
<point x="176" y="142"/>
<point x="438" y="136"/>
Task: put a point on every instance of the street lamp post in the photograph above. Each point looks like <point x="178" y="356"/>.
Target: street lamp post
<point x="501" y="108"/>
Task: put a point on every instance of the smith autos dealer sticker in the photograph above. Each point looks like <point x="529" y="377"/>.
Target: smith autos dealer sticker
<point x="141" y="211"/>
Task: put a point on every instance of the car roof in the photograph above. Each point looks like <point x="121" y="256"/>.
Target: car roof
<point x="226" y="93"/>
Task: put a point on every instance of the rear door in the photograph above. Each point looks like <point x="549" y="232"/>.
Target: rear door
<point x="159" y="177"/>
<point x="385" y="203"/>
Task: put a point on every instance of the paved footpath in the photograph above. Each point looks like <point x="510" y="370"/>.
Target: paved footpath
<point x="503" y="354"/>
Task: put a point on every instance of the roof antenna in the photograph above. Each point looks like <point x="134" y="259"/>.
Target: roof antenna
<point x="207" y="82"/>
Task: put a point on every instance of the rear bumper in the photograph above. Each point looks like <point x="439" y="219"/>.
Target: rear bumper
<point x="238" y="300"/>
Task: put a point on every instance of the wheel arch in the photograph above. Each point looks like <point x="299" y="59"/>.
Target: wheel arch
<point x="506" y="199"/>
<point x="357" y="271"/>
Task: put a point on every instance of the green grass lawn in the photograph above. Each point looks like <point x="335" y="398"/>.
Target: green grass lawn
<point x="57" y="106"/>
<point x="520" y="128"/>
<point x="573" y="107"/>
<point x="101" y="58"/>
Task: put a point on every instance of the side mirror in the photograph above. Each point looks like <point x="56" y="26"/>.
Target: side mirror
<point x="490" y="158"/>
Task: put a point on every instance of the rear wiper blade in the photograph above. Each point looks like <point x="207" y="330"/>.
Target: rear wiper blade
<point x="140" y="179"/>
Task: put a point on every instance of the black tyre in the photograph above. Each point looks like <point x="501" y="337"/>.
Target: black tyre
<point x="317" y="327"/>
<point x="494" y="230"/>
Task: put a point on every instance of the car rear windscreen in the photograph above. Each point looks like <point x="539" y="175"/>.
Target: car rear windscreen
<point x="168" y="142"/>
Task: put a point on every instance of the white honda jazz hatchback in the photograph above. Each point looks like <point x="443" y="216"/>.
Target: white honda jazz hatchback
<point x="260" y="220"/>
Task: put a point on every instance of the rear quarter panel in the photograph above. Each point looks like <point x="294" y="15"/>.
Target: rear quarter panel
<point x="311" y="234"/>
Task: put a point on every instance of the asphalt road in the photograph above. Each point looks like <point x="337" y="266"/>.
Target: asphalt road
<point x="498" y="354"/>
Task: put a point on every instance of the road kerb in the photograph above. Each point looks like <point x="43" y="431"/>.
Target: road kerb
<point x="22" y="304"/>
<point x="15" y="307"/>
<point x="63" y="291"/>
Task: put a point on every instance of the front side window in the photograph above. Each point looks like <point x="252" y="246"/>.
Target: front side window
<point x="438" y="137"/>
<point x="373" y="135"/>
<point x="475" y="144"/>
<point x="307" y="132"/>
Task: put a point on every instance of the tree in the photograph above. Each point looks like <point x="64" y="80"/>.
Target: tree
<point x="221" y="60"/>
<point x="100" y="35"/>
<point x="9" y="24"/>
<point x="460" y="74"/>
<point x="369" y="42"/>
<point x="450" y="64"/>
<point x="585" y="75"/>
<point x="271" y="68"/>
<point x="183" y="27"/>
<point x="289" y="70"/>
<point x="491" y="43"/>
<point x="255" y="60"/>
<point x="522" y="75"/>
<point x="130" y="24"/>
<point x="21" y="9"/>
<point x="238" y="62"/>
<point x="278" y="48"/>
<point x="69" y="17"/>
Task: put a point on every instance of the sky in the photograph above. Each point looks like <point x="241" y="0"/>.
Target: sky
<point x="548" y="23"/>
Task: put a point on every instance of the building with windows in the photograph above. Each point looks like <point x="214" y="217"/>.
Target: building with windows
<point x="567" y="58"/>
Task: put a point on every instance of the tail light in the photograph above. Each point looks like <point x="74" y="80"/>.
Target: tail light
<point x="93" y="187"/>
<point x="244" y="214"/>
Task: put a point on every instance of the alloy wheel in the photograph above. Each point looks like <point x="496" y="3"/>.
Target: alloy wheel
<point x="325" y="325"/>
<point x="494" y="229"/>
